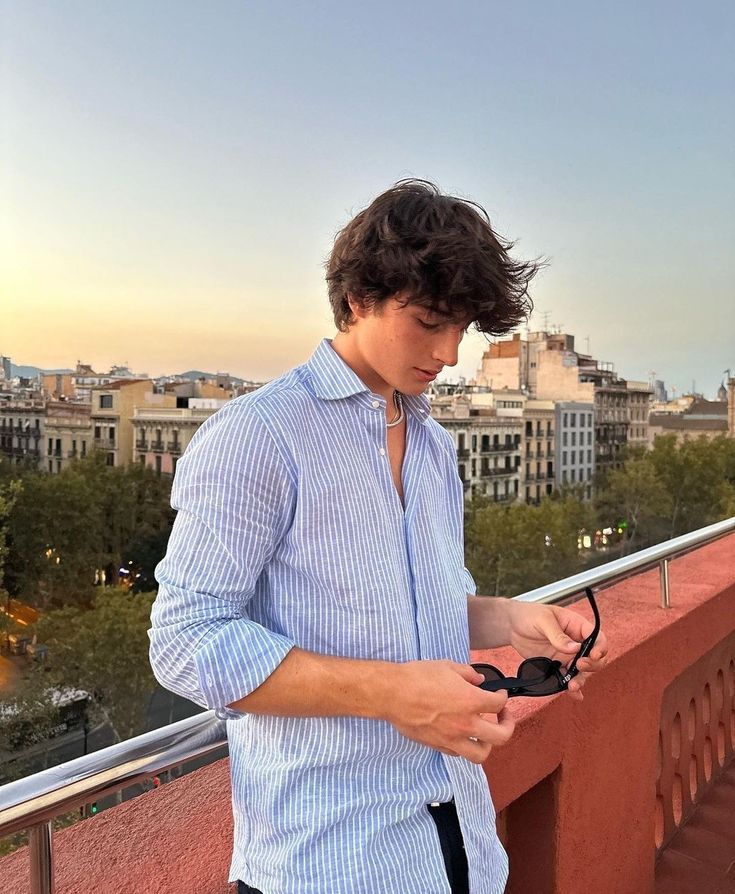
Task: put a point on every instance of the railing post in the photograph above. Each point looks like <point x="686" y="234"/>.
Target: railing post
<point x="663" y="567"/>
<point x="42" y="858"/>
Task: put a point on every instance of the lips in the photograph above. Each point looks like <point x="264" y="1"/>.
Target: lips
<point x="426" y="375"/>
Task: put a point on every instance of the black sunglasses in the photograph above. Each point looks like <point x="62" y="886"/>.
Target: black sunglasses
<point x="539" y="676"/>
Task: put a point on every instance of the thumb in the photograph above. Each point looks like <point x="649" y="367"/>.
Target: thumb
<point x="560" y="640"/>
<point x="469" y="674"/>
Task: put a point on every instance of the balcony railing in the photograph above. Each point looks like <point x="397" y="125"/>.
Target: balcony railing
<point x="174" y="447"/>
<point x="157" y="446"/>
<point x="698" y="708"/>
<point x="105" y="444"/>
<point x="141" y="445"/>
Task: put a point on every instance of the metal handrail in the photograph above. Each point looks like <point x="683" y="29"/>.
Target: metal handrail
<point x="34" y="802"/>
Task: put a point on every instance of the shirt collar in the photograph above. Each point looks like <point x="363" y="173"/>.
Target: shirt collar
<point x="334" y="379"/>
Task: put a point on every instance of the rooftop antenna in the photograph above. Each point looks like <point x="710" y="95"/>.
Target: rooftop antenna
<point x="546" y="314"/>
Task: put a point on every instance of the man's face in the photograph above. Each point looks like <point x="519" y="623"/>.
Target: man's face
<point x="405" y="345"/>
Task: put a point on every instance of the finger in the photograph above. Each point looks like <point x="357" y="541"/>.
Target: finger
<point x="559" y="638"/>
<point x="468" y="673"/>
<point x="477" y="752"/>
<point x="495" y="730"/>
<point x="576" y="626"/>
<point x="491" y="702"/>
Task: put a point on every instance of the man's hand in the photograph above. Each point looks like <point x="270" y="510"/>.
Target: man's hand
<point x="556" y="632"/>
<point x="438" y="703"/>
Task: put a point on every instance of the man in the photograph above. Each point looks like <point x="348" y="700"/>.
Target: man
<point x="314" y="589"/>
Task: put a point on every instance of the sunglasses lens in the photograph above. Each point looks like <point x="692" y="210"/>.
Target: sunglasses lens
<point x="539" y="676"/>
<point x="489" y="672"/>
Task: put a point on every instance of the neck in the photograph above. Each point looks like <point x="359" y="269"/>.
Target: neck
<point x="349" y="351"/>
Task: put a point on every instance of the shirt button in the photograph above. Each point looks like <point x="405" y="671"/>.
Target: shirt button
<point x="382" y="451"/>
<point x="375" y="404"/>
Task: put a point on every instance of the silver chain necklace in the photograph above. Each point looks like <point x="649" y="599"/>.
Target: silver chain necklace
<point x="398" y="403"/>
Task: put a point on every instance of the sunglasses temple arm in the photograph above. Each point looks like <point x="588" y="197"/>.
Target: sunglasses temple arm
<point x="587" y="645"/>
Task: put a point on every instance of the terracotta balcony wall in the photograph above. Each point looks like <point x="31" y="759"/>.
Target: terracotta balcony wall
<point x="576" y="788"/>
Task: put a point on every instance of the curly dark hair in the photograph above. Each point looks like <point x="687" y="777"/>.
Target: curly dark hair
<point x="435" y="250"/>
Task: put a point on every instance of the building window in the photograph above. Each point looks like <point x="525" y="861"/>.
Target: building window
<point x="112" y="433"/>
<point x="566" y="420"/>
<point x="589" y="437"/>
<point x="110" y="459"/>
<point x="589" y="419"/>
<point x="589" y="456"/>
<point x="564" y="458"/>
<point x="158" y="464"/>
<point x="105" y="401"/>
<point x="474" y="443"/>
<point x="571" y="475"/>
<point x="97" y="432"/>
<point x="574" y="457"/>
<point x="574" y="439"/>
<point x="574" y="419"/>
<point x="581" y="420"/>
<point x="564" y="439"/>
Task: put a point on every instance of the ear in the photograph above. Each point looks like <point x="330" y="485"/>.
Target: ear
<point x="357" y="308"/>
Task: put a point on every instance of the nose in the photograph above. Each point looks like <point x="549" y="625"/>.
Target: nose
<point x="446" y="347"/>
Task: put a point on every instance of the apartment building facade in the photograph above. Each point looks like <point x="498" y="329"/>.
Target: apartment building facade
<point x="162" y="434"/>
<point x="488" y="447"/>
<point x="112" y="411"/>
<point x="575" y="448"/>
<point x="68" y="434"/>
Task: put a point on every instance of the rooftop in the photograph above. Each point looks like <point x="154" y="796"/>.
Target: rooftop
<point x="645" y="761"/>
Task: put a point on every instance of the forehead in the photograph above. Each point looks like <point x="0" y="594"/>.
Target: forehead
<point x="440" y="313"/>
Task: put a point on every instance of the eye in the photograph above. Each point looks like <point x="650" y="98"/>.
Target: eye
<point x="430" y="326"/>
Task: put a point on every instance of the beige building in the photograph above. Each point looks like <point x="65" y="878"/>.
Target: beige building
<point x="488" y="443"/>
<point x="112" y="412"/>
<point x="703" y="418"/>
<point x="640" y="397"/>
<point x="22" y="428"/>
<point x="538" y="450"/>
<point x="68" y="434"/>
<point x="162" y="434"/>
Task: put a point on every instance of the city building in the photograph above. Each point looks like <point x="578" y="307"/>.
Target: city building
<point x="539" y="418"/>
<point x="702" y="418"/>
<point x="22" y="429"/>
<point x="640" y="398"/>
<point x="162" y="434"/>
<point x="112" y="412"/>
<point x="68" y="434"/>
<point x="487" y="442"/>
<point x="84" y="379"/>
<point x="575" y="449"/>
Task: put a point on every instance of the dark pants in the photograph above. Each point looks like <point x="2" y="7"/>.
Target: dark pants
<point x="450" y="838"/>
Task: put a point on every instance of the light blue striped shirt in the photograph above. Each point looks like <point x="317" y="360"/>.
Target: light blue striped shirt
<point x="290" y="531"/>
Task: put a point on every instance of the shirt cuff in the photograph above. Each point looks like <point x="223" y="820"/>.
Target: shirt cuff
<point x="235" y="661"/>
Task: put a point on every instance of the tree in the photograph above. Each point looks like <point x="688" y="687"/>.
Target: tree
<point x="89" y="517"/>
<point x="511" y="549"/>
<point x="694" y="475"/>
<point x="104" y="651"/>
<point x="635" y="493"/>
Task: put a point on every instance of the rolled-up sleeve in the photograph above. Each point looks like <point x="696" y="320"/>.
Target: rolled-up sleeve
<point x="235" y="496"/>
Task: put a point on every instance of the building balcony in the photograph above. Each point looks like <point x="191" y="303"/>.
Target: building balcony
<point x="631" y="791"/>
<point x="105" y="444"/>
<point x="141" y="445"/>
<point x="463" y="454"/>
<point x="500" y="448"/>
<point x="174" y="447"/>
<point x="157" y="446"/>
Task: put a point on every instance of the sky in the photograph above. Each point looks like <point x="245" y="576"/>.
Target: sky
<point x="173" y="174"/>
